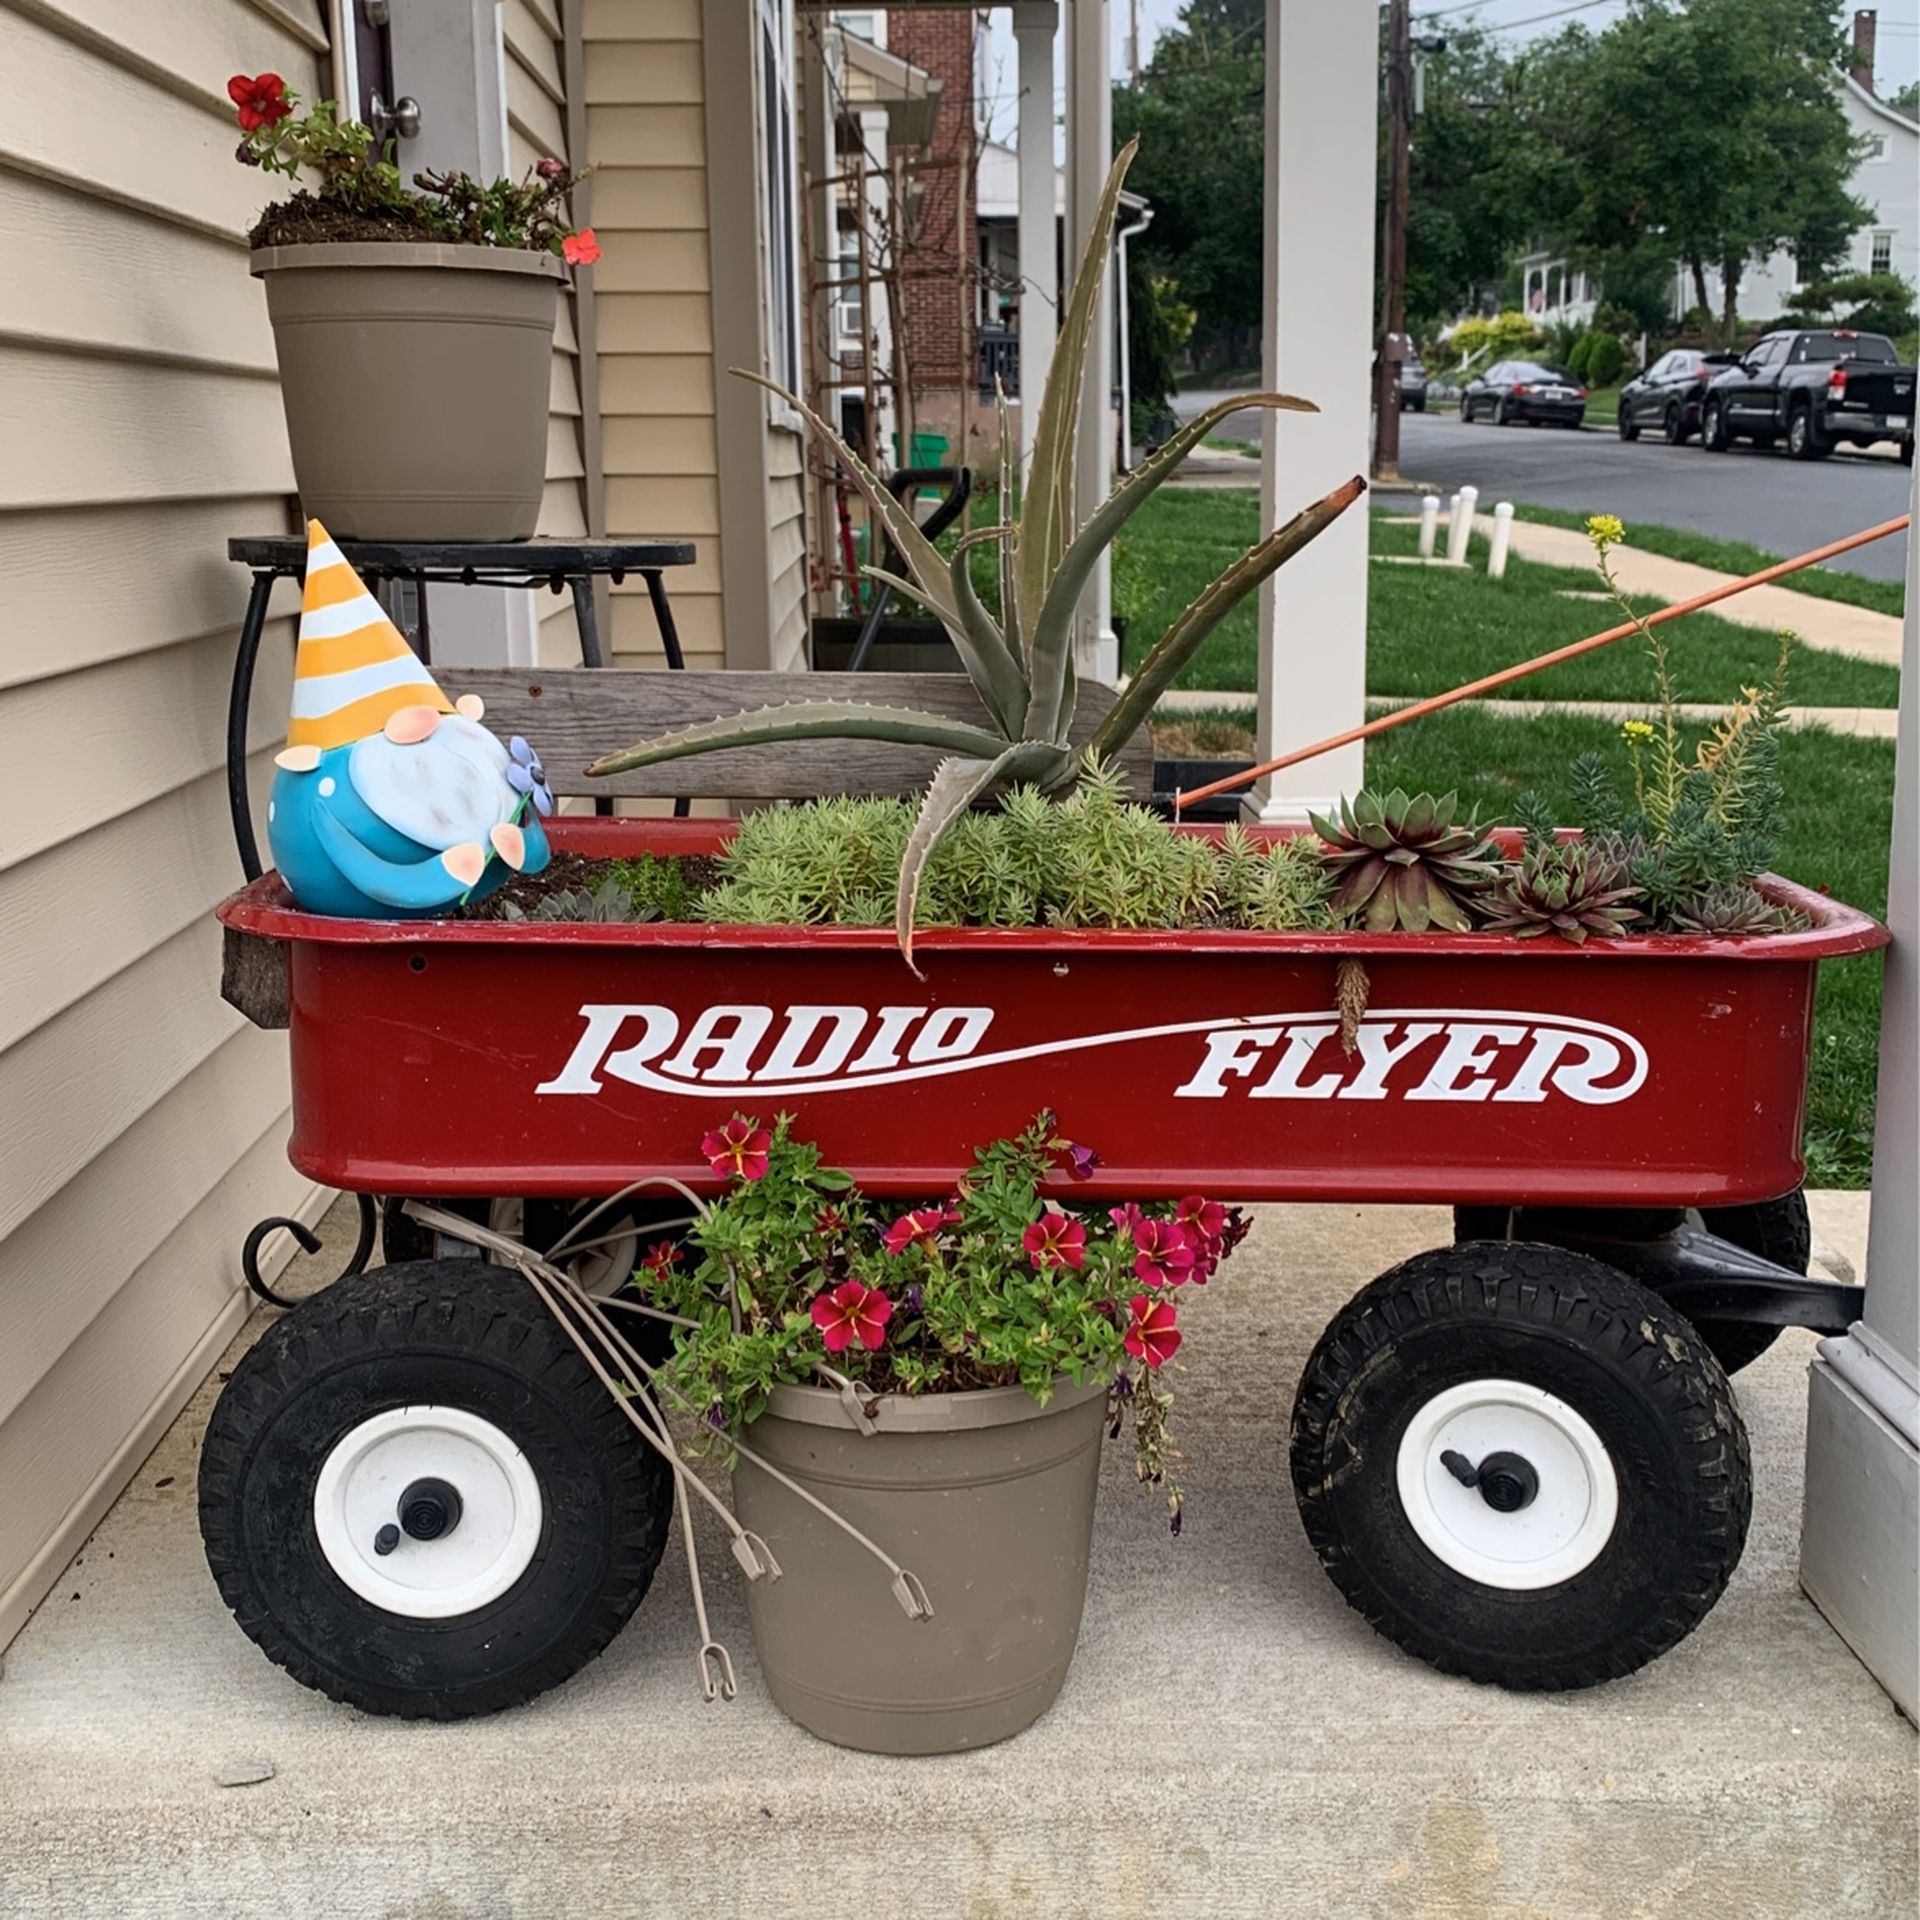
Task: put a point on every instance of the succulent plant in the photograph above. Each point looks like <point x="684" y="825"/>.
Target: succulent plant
<point x="1021" y="660"/>
<point x="609" y="902"/>
<point x="1572" y="888"/>
<point x="1731" y="909"/>
<point x="1400" y="863"/>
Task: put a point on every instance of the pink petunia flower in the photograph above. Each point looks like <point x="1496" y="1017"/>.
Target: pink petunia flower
<point x="739" y="1149"/>
<point x="1152" y="1337"/>
<point x="849" y="1312"/>
<point x="920" y="1228"/>
<point x="1165" y="1257"/>
<point x="1126" y="1218"/>
<point x="1055" y="1240"/>
<point x="580" y="249"/>
<point x="1081" y="1161"/>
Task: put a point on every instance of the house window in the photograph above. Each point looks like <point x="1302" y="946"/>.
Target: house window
<point x="782" y="258"/>
<point x="863" y="26"/>
<point x="1880" y="260"/>
<point x="1876" y="146"/>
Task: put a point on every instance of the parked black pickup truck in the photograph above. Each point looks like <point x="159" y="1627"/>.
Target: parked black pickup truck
<point x="1815" y="390"/>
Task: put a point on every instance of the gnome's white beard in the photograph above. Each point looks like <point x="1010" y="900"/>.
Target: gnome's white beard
<point x="443" y="791"/>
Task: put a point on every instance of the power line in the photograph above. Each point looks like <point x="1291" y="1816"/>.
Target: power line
<point x="1532" y="20"/>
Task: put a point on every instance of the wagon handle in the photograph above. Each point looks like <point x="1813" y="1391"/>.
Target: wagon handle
<point x="755" y="1557"/>
<point x="862" y="1420"/>
<point x="1420" y="708"/>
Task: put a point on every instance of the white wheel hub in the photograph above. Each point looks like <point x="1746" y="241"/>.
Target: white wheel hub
<point x="1568" y="1515"/>
<point x="356" y="1503"/>
<point x="600" y="1269"/>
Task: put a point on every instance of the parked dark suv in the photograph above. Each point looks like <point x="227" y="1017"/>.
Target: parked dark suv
<point x="1669" y="395"/>
<point x="1815" y="390"/>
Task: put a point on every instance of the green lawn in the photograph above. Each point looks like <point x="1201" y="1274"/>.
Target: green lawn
<point x="1430" y="629"/>
<point x="1834" y="833"/>
<point x="1735" y="556"/>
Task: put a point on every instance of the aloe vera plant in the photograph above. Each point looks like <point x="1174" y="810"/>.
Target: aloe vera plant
<point x="1020" y="663"/>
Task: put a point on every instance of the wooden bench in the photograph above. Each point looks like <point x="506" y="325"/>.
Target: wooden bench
<point x="574" y="715"/>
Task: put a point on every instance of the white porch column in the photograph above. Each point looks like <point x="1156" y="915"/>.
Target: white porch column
<point x="878" y="214"/>
<point x="1317" y="341"/>
<point x="1860" y="1533"/>
<point x="1089" y="160"/>
<point x="1035" y="23"/>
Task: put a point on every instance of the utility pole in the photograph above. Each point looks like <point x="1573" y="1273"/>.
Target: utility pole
<point x="1133" y="40"/>
<point x="1393" y="241"/>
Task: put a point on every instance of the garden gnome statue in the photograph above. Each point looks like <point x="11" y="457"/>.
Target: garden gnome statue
<point x="390" y="803"/>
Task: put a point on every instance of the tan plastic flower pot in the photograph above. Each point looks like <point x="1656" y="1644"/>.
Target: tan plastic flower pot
<point x="987" y="1498"/>
<point x="415" y="380"/>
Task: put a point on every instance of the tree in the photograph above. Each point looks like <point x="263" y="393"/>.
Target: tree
<point x="1200" y="112"/>
<point x="1711" y="132"/>
<point x="1867" y="302"/>
<point x="1907" y="100"/>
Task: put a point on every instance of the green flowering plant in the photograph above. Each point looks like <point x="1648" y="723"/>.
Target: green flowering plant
<point x="793" y="1277"/>
<point x="356" y="190"/>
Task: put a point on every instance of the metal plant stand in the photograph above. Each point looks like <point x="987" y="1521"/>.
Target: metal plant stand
<point x="554" y="564"/>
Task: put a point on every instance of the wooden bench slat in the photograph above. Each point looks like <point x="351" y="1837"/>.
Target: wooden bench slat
<point x="574" y="715"/>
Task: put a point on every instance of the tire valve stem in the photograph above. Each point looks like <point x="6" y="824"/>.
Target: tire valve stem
<point x="1507" y="1481"/>
<point x="386" y="1539"/>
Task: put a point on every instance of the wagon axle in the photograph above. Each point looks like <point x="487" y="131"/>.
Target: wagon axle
<point x="430" y="1509"/>
<point x="1508" y="1482"/>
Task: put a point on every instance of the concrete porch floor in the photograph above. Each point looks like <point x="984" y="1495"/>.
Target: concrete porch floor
<point x="1231" y="1741"/>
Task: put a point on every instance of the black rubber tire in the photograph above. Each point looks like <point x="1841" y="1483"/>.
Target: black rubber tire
<point x="1674" y="427"/>
<point x="1627" y="429"/>
<point x="1805" y="441"/>
<point x="1635" y="1370"/>
<point x="1777" y="1230"/>
<point x="1466" y="411"/>
<point x="1714" y="437"/>
<point x="1906" y="451"/>
<point x="1502" y="414"/>
<point x="451" y="1333"/>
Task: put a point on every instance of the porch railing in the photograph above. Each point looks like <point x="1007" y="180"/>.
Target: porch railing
<point x="998" y="354"/>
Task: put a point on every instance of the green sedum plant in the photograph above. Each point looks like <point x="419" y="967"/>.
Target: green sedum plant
<point x="1019" y="658"/>
<point x="1091" y="860"/>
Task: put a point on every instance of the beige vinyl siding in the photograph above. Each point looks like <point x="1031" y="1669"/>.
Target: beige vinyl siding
<point x="142" y="1122"/>
<point x="535" y="76"/>
<point x="646" y="136"/>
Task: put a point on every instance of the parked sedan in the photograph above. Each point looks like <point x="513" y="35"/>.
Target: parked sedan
<point x="1524" y="390"/>
<point x="1670" y="394"/>
<point x="1413" y="384"/>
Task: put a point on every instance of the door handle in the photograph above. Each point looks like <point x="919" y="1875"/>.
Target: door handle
<point x="402" y="118"/>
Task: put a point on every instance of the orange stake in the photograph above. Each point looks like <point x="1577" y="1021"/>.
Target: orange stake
<point x="1420" y="708"/>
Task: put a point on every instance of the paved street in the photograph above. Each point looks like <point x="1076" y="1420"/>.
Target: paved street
<point x="1782" y="505"/>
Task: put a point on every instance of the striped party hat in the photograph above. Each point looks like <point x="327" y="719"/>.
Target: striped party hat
<point x="352" y="671"/>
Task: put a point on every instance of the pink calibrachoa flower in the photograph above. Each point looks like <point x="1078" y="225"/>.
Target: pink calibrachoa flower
<point x="1081" y="1161"/>
<point x="660" y="1257"/>
<point x="738" y="1149"/>
<point x="1152" y="1337"/>
<point x="1126" y="1218"/>
<point x="1209" y="1216"/>
<point x="1055" y="1240"/>
<point x="851" y="1311"/>
<point x="920" y="1228"/>
<point x="580" y="249"/>
<point x="1165" y="1257"/>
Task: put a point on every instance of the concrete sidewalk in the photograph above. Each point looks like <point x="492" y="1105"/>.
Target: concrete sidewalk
<point x="1829" y="625"/>
<point x="1232" y="1741"/>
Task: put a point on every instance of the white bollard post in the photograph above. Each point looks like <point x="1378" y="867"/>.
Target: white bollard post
<point x="1502" y="533"/>
<point x="1429" y="523"/>
<point x="1460" y="524"/>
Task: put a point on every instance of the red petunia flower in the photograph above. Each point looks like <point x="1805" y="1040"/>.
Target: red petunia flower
<point x="1165" y="1257"/>
<point x="1152" y="1337"/>
<point x="739" y="1149"/>
<point x="1054" y="1240"/>
<point x="581" y="249"/>
<point x="920" y="1228"/>
<point x="659" y="1257"/>
<point x="262" y="100"/>
<point x="850" y="1312"/>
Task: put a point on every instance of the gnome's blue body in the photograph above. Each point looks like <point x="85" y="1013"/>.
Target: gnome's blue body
<point x="337" y="856"/>
<point x="391" y="802"/>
